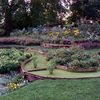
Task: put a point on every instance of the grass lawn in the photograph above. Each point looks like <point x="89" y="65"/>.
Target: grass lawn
<point x="41" y="63"/>
<point x="92" y="51"/>
<point x="65" y="74"/>
<point x="86" y="89"/>
<point x="82" y="89"/>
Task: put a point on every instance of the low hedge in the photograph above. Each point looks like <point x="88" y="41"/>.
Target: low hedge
<point x="19" y="41"/>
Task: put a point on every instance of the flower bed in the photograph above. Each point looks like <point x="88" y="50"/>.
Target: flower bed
<point x="70" y="69"/>
<point x="86" y="44"/>
<point x="19" y="41"/>
<point x="76" y="59"/>
<point x="91" y="44"/>
<point x="30" y="76"/>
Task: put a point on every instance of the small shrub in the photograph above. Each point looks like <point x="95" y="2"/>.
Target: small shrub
<point x="51" y="66"/>
<point x="18" y="79"/>
<point x="35" y="61"/>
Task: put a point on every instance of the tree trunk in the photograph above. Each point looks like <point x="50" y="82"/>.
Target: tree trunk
<point x="8" y="24"/>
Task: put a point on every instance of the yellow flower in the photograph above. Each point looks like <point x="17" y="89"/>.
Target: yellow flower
<point x="57" y="34"/>
<point x="67" y="32"/>
<point x="51" y="34"/>
<point x="76" y="32"/>
<point x="15" y="86"/>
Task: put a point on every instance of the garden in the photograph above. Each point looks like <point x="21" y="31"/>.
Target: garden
<point x="49" y="50"/>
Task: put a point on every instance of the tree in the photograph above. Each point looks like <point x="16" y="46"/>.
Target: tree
<point x="8" y="8"/>
<point x="85" y="8"/>
<point x="45" y="11"/>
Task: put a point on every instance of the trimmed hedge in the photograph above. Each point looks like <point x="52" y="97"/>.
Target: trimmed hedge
<point x="19" y="41"/>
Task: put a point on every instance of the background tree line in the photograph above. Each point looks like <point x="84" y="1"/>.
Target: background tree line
<point x="32" y="13"/>
<point x="21" y="13"/>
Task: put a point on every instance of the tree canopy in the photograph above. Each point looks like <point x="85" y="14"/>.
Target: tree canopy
<point x="85" y="8"/>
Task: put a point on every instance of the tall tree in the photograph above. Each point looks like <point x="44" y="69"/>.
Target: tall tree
<point x="8" y="8"/>
<point x="45" y="11"/>
<point x="85" y="8"/>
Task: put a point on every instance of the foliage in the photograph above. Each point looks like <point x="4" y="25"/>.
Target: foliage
<point x="61" y="56"/>
<point x="21" y="13"/>
<point x="18" y="79"/>
<point x="75" y="57"/>
<point x="10" y="59"/>
<point x="12" y="86"/>
<point x="34" y="60"/>
<point x="84" y="8"/>
<point x="51" y="66"/>
<point x="84" y="60"/>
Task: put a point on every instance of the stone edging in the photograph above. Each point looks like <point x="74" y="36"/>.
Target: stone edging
<point x="32" y="77"/>
<point x="50" y="45"/>
<point x="78" y="43"/>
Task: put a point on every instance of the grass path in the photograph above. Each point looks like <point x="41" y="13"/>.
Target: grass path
<point x="64" y="74"/>
<point x="41" y="63"/>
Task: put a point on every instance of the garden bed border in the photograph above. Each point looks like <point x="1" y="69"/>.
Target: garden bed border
<point x="82" y="43"/>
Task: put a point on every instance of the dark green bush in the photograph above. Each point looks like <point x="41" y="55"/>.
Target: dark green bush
<point x="10" y="59"/>
<point x="75" y="57"/>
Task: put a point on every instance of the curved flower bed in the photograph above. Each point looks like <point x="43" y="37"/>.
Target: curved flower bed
<point x="32" y="77"/>
<point x="19" y="41"/>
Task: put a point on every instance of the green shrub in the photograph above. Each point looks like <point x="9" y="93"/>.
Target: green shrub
<point x="35" y="61"/>
<point x="51" y="66"/>
<point x="75" y="57"/>
<point x="10" y="59"/>
<point x="18" y="79"/>
<point x="84" y="63"/>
